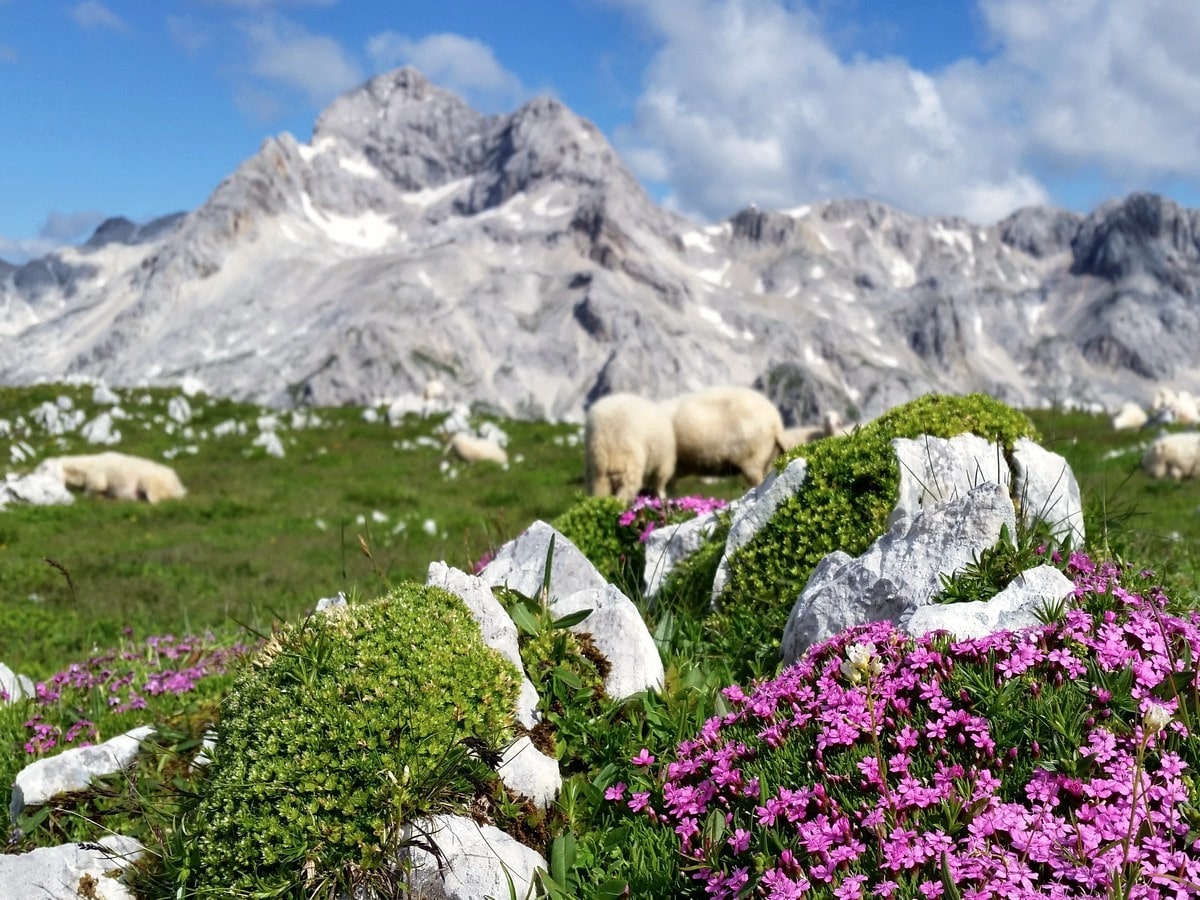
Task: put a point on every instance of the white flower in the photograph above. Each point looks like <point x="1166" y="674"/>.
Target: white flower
<point x="861" y="662"/>
<point x="1155" y="718"/>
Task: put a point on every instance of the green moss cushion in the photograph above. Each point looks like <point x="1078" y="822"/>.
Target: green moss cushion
<point x="347" y="726"/>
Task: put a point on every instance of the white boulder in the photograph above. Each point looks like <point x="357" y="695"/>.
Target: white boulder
<point x="70" y="871"/>
<point x="473" y="861"/>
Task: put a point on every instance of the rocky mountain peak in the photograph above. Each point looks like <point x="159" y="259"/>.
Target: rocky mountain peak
<point x="1144" y="234"/>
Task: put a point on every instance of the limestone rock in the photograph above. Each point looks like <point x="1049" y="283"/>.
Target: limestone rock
<point x="666" y="547"/>
<point x="73" y="770"/>
<point x="935" y="470"/>
<point x="474" y="860"/>
<point x="14" y="687"/>
<point x="1013" y="609"/>
<point x="531" y="773"/>
<point x="521" y="562"/>
<point x="1045" y="488"/>
<point x="70" y="871"/>
<point x="37" y="489"/>
<point x="900" y="571"/>
<point x="619" y="633"/>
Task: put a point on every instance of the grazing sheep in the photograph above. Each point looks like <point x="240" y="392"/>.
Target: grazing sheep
<point x="628" y="445"/>
<point x="1175" y="406"/>
<point x="726" y="429"/>
<point x="470" y="448"/>
<point x="116" y="475"/>
<point x="831" y="425"/>
<point x="1130" y="415"/>
<point x="1173" y="456"/>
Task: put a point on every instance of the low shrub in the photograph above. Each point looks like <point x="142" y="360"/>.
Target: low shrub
<point x="346" y="726"/>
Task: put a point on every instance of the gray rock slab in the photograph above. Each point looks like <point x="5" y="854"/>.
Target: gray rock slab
<point x="499" y="631"/>
<point x="38" y="488"/>
<point x="618" y="631"/>
<point x="69" y="871"/>
<point x="1045" y="488"/>
<point x="754" y="509"/>
<point x="901" y="570"/>
<point x="934" y="471"/>
<point x="521" y="562"/>
<point x="73" y="770"/>
<point x="530" y="772"/>
<point x="474" y="860"/>
<point x="666" y="547"/>
<point x="14" y="687"/>
<point x="1014" y="608"/>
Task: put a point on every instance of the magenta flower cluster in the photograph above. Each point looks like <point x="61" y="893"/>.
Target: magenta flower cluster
<point x="120" y="680"/>
<point x="883" y="766"/>
<point x="649" y="513"/>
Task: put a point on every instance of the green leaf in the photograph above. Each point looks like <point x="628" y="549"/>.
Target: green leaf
<point x="525" y="621"/>
<point x="567" y="677"/>
<point x="562" y="856"/>
<point x="571" y="619"/>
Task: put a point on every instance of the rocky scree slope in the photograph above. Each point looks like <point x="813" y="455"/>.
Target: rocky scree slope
<point x="516" y="260"/>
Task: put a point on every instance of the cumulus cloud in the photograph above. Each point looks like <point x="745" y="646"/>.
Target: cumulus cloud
<point x="285" y="54"/>
<point x="93" y="14"/>
<point x="58" y="230"/>
<point x="460" y="64"/>
<point x="749" y="101"/>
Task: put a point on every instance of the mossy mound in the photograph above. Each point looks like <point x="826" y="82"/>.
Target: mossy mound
<point x="593" y="525"/>
<point x="347" y="726"/>
<point x="850" y="489"/>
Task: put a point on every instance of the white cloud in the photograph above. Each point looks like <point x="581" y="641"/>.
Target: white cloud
<point x="287" y="55"/>
<point x="58" y="230"/>
<point x="1103" y="83"/>
<point x="460" y="64"/>
<point x="93" y="14"/>
<point x="748" y="101"/>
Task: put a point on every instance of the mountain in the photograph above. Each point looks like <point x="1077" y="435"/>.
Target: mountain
<point x="515" y="259"/>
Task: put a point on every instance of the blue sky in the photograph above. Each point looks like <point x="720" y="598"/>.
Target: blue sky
<point x="968" y="107"/>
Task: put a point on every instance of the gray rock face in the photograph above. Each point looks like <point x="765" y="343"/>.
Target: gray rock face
<point x="73" y="770"/>
<point x="70" y="871"/>
<point x="14" y="687"/>
<point x="615" y="625"/>
<point x="666" y="547"/>
<point x="1046" y="489"/>
<point x="898" y="572"/>
<point x="474" y="860"/>
<point x="521" y="564"/>
<point x="541" y="276"/>
<point x="1014" y="608"/>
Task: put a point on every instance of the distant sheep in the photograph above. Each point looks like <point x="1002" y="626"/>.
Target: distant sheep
<point x="116" y="475"/>
<point x="726" y="429"/>
<point x="1173" y="456"/>
<point x="1130" y="415"/>
<point x="831" y="425"/>
<point x="470" y="448"/>
<point x="629" y="445"/>
<point x="1175" y="406"/>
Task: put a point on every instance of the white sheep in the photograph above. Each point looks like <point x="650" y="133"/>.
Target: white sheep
<point x="831" y="425"/>
<point x="470" y="448"/>
<point x="1130" y="415"/>
<point x="722" y="430"/>
<point x="116" y="475"/>
<point x="1173" y="456"/>
<point x="629" y="445"/>
<point x="1175" y="406"/>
